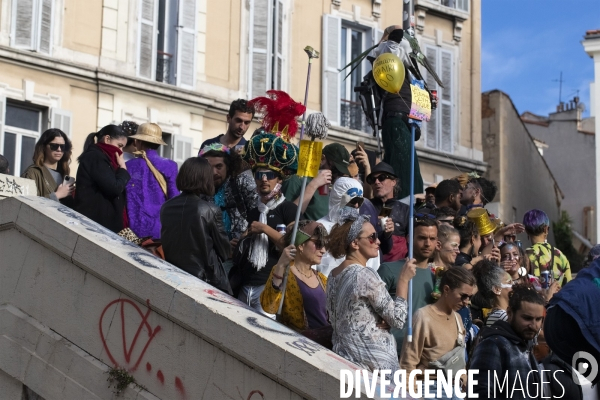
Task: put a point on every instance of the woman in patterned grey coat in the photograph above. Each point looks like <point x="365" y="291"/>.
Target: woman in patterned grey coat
<point x="360" y="308"/>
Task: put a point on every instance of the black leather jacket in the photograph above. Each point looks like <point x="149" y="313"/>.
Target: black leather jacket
<point x="194" y="239"/>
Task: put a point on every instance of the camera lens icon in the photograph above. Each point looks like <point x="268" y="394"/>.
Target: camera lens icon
<point x="585" y="367"/>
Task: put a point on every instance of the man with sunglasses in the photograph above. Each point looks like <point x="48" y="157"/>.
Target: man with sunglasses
<point x="384" y="184"/>
<point x="425" y="242"/>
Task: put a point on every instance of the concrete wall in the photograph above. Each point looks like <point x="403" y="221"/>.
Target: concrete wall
<point x="572" y="160"/>
<point x="523" y="178"/>
<point x="76" y="300"/>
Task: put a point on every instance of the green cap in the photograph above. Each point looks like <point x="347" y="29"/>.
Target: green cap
<point x="339" y="156"/>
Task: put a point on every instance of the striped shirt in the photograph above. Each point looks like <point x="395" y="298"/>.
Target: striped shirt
<point x="496" y="315"/>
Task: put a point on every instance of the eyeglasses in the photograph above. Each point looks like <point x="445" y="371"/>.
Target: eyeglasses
<point x="381" y="177"/>
<point x="464" y="297"/>
<point x="506" y="285"/>
<point x="260" y="175"/>
<point x="372" y="237"/>
<point x="319" y="243"/>
<point x="56" y="146"/>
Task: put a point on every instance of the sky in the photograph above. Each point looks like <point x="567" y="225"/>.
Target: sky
<point x="527" y="43"/>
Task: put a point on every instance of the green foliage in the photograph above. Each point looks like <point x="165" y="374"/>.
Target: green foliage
<point x="120" y="378"/>
<point x="563" y="237"/>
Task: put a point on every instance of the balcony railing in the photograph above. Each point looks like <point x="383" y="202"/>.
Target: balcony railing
<point x="352" y="116"/>
<point x="163" y="67"/>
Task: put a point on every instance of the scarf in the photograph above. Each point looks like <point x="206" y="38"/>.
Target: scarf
<point x="159" y="177"/>
<point x="110" y="151"/>
<point x="259" y="252"/>
<point x="221" y="201"/>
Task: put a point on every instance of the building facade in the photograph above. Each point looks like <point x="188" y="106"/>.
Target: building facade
<point x="523" y="177"/>
<point x="591" y="44"/>
<point x="569" y="150"/>
<point x="179" y="63"/>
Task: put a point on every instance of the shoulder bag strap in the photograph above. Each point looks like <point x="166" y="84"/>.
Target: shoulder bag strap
<point x="461" y="339"/>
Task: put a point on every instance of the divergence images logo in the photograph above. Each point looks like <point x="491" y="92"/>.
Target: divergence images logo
<point x="587" y="366"/>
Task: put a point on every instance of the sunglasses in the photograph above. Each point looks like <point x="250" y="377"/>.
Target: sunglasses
<point x="356" y="200"/>
<point x="260" y="175"/>
<point x="56" y="146"/>
<point x="423" y="217"/>
<point x="319" y="243"/>
<point x="381" y="177"/>
<point x="464" y="297"/>
<point x="372" y="237"/>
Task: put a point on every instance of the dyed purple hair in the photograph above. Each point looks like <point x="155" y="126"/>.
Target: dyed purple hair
<point x="535" y="221"/>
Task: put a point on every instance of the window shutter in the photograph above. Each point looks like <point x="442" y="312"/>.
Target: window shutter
<point x="61" y="119"/>
<point x="446" y="102"/>
<point x="2" y="112"/>
<point x="432" y="124"/>
<point x="147" y="38"/>
<point x="182" y="149"/>
<point x="259" y="70"/>
<point x="330" y="99"/>
<point x="278" y="47"/>
<point x="23" y="24"/>
<point x="186" y="44"/>
<point x="45" y="27"/>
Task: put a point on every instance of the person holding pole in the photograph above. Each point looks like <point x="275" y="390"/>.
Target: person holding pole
<point x="360" y="308"/>
<point x="304" y="304"/>
<point x="271" y="158"/>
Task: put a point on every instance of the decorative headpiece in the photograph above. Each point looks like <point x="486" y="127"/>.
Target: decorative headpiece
<point x="481" y="218"/>
<point x="267" y="150"/>
<point x="279" y="113"/>
<point x="214" y="147"/>
<point x="309" y="230"/>
<point x="352" y="214"/>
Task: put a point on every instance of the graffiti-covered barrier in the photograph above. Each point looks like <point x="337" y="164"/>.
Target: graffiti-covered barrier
<point x="80" y="305"/>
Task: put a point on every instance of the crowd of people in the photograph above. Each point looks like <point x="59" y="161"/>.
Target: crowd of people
<point x="227" y="216"/>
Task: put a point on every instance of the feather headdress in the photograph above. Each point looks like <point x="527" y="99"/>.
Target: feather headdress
<point x="279" y="113"/>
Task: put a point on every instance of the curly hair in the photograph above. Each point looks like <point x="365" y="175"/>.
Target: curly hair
<point x="521" y="293"/>
<point x="489" y="276"/>
<point x="130" y="129"/>
<point x="337" y="240"/>
<point x="233" y="161"/>
<point x="466" y="229"/>
<point x="488" y="189"/>
<point x="444" y="212"/>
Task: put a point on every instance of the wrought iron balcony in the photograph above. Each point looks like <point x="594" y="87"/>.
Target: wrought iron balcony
<point x="352" y="116"/>
<point x="163" y="67"/>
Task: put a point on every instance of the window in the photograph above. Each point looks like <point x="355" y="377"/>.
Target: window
<point x="32" y="25"/>
<point x="439" y="131"/>
<point x="462" y="5"/>
<point x="267" y="43"/>
<point x="342" y="42"/>
<point x="352" y="45"/>
<point x="182" y="148"/>
<point x="22" y="126"/>
<point x="166" y="151"/>
<point x="167" y="41"/>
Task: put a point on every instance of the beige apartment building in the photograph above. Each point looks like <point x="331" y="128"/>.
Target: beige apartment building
<point x="81" y="64"/>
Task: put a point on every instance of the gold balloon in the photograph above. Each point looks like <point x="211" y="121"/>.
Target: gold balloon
<point x="389" y="72"/>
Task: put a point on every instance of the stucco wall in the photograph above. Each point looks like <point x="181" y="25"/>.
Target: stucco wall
<point x="571" y="156"/>
<point x="524" y="181"/>
<point x="78" y="300"/>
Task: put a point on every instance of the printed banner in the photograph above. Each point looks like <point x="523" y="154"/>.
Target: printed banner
<point x="421" y="104"/>
<point x="310" y="158"/>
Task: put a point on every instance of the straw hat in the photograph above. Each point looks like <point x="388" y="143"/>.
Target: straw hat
<point x="481" y="218"/>
<point x="149" y="132"/>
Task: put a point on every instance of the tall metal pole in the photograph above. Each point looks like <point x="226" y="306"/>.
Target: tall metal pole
<point x="408" y="23"/>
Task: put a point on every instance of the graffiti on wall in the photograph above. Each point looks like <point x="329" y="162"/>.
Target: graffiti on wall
<point x="134" y="337"/>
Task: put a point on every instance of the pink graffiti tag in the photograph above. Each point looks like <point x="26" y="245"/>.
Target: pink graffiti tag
<point x="128" y="349"/>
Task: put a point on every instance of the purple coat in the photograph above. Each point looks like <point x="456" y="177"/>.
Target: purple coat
<point x="144" y="195"/>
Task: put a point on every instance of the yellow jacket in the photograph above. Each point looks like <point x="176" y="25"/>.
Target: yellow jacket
<point x="292" y="314"/>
